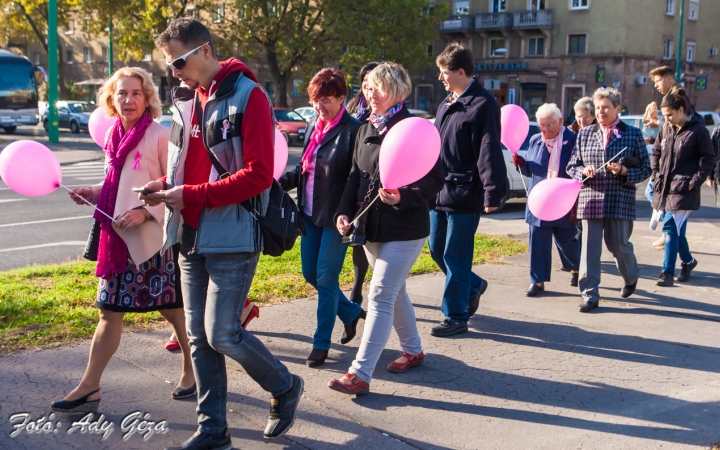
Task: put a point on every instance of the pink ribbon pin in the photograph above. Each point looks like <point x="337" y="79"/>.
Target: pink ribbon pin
<point x="136" y="161"/>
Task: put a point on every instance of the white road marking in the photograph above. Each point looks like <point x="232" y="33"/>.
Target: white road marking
<point x="8" y="200"/>
<point x="54" y="244"/>
<point x="99" y="177"/>
<point x="44" y="221"/>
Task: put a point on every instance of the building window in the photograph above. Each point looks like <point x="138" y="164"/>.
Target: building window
<point x="37" y="58"/>
<point x="693" y="10"/>
<point x="147" y="57"/>
<point x="579" y="4"/>
<point x="104" y="54"/>
<point x="497" y="44"/>
<point x="70" y="27"/>
<point x="462" y="7"/>
<point x="192" y="11"/>
<point x="534" y="5"/>
<point x="670" y="7"/>
<point x="497" y="6"/>
<point x="87" y="55"/>
<point x="690" y="52"/>
<point x="668" y="49"/>
<point x="218" y="13"/>
<point x="536" y="46"/>
<point x="576" y="44"/>
<point x="68" y="56"/>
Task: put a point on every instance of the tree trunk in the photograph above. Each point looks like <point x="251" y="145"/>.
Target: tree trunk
<point x="280" y="78"/>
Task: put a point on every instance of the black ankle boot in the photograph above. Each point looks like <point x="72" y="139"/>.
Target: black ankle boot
<point x="317" y="357"/>
<point x="351" y="328"/>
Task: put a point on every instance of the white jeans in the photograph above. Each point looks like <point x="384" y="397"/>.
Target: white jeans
<point x="389" y="304"/>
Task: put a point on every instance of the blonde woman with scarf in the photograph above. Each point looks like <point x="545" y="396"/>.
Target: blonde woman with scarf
<point x="134" y="275"/>
<point x="547" y="156"/>
<point x="320" y="179"/>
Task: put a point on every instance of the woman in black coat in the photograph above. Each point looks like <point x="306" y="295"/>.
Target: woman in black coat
<point x="682" y="158"/>
<point x="395" y="231"/>
<point x="359" y="108"/>
<point x="320" y="179"/>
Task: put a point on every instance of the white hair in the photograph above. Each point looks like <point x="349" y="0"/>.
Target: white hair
<point x="549" y="110"/>
<point x="611" y="94"/>
<point x="585" y="104"/>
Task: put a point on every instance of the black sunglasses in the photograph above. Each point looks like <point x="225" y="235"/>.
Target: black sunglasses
<point x="179" y="63"/>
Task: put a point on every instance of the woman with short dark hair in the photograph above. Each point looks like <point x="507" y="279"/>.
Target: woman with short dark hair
<point x="320" y="179"/>
<point x="682" y="159"/>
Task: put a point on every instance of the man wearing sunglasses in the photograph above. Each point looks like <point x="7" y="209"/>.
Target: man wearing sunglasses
<point x="223" y="113"/>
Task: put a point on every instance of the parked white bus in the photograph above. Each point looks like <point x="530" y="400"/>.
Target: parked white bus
<point x="18" y="92"/>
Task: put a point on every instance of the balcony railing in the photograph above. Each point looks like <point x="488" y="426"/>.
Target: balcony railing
<point x="533" y="19"/>
<point x="457" y="24"/>
<point x="493" y="21"/>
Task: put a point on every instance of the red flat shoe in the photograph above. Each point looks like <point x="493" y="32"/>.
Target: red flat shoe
<point x="349" y="384"/>
<point x="405" y="362"/>
<point x="171" y="346"/>
<point x="255" y="313"/>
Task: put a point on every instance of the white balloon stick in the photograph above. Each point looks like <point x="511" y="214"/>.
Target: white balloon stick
<point x="81" y="198"/>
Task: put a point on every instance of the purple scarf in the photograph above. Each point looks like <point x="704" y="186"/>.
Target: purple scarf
<point x="112" y="251"/>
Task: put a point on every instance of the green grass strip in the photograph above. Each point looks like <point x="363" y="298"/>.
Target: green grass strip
<point x="48" y="305"/>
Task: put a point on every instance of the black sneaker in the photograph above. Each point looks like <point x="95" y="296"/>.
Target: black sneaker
<point x="283" y="410"/>
<point x="474" y="300"/>
<point x="685" y="270"/>
<point x="206" y="441"/>
<point x="665" y="279"/>
<point x="449" y="327"/>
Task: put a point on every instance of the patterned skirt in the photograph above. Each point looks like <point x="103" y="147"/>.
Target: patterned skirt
<point x="152" y="286"/>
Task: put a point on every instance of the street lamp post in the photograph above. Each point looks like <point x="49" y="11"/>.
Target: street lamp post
<point x="53" y="133"/>
<point x="678" y="63"/>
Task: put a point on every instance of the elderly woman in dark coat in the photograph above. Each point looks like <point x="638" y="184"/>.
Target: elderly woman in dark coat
<point x="682" y="158"/>
<point x="547" y="157"/>
<point x="607" y="199"/>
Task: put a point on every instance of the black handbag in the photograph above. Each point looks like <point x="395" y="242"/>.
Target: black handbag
<point x="356" y="235"/>
<point x="281" y="224"/>
<point x="93" y="242"/>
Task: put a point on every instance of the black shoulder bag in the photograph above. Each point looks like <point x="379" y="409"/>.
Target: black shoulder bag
<point x="281" y="224"/>
<point x="356" y="236"/>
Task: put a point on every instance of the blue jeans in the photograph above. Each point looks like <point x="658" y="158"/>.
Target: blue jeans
<point x="675" y="243"/>
<point x="452" y="243"/>
<point x="214" y="287"/>
<point x="322" y="254"/>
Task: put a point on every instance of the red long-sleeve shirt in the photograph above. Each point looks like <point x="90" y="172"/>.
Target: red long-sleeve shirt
<point x="258" y="154"/>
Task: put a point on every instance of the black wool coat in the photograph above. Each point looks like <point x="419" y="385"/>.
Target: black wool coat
<point x="408" y="220"/>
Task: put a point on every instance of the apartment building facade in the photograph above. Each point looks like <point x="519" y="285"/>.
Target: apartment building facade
<point x="539" y="51"/>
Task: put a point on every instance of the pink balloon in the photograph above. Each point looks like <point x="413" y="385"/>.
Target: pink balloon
<point x="99" y="124"/>
<point x="29" y="168"/>
<point x="281" y="154"/>
<point x="515" y="126"/>
<point x="552" y="198"/>
<point x="408" y="152"/>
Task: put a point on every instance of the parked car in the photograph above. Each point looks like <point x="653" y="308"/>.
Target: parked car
<point x="648" y="133"/>
<point x="291" y="125"/>
<point x="308" y="113"/>
<point x="166" y="118"/>
<point x="423" y="114"/>
<point x="516" y="188"/>
<point x="712" y="119"/>
<point x="71" y="114"/>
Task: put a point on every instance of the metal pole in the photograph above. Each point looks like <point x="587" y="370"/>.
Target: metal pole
<point x="678" y="57"/>
<point x="110" y="50"/>
<point x="53" y="133"/>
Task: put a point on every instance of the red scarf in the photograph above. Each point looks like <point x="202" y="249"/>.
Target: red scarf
<point x="112" y="251"/>
<point x="321" y="130"/>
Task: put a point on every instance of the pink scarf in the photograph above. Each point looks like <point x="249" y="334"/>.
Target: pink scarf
<point x="554" y="147"/>
<point x="607" y="132"/>
<point x="321" y="130"/>
<point x="112" y="251"/>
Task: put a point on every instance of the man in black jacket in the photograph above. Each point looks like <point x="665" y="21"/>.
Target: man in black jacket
<point x="475" y="180"/>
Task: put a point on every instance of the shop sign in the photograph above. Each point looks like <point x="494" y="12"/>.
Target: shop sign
<point x="701" y="82"/>
<point x="500" y="67"/>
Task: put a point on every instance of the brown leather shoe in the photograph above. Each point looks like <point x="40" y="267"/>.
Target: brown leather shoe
<point x="405" y="362"/>
<point x="349" y="384"/>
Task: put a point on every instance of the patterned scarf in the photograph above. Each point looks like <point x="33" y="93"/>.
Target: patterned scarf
<point x="321" y="130"/>
<point x="362" y="110"/>
<point x="608" y="132"/>
<point x="112" y="251"/>
<point x="378" y="120"/>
